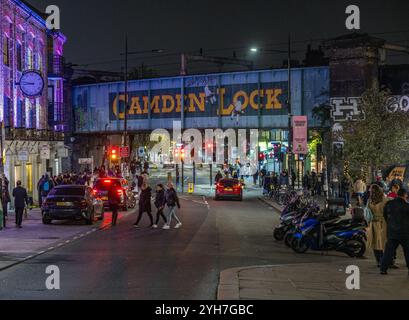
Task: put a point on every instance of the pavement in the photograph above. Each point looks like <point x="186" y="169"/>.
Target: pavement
<point x="314" y="281"/>
<point x="34" y="239"/>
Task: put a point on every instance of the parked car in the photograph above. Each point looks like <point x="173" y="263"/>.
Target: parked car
<point x="229" y="189"/>
<point x="102" y="186"/>
<point x="72" y="203"/>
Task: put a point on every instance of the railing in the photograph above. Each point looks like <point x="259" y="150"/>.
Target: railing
<point x="56" y="66"/>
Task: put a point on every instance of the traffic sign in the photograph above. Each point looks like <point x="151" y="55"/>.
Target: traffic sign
<point x="124" y="151"/>
<point x="85" y="161"/>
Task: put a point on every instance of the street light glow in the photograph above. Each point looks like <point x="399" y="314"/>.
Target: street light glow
<point x="254" y="50"/>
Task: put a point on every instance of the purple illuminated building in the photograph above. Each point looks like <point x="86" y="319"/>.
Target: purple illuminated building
<point x="33" y="125"/>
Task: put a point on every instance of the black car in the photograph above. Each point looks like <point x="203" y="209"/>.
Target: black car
<point x="102" y="187"/>
<point x="72" y="203"/>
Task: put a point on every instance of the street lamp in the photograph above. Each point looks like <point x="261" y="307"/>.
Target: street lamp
<point x="126" y="54"/>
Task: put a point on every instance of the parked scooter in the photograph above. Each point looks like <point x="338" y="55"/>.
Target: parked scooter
<point x="329" y="233"/>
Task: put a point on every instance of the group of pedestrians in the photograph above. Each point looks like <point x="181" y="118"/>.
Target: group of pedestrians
<point x="389" y="225"/>
<point x="165" y="199"/>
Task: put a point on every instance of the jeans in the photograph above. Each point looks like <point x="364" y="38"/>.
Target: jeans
<point x="172" y="213"/>
<point x="390" y="251"/>
<point x="19" y="216"/>
<point x="160" y="214"/>
<point x="140" y="217"/>
<point x="347" y="198"/>
<point x="379" y="256"/>
<point x="114" y="209"/>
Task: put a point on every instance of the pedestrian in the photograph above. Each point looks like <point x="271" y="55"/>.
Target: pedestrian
<point x="114" y="200"/>
<point x="335" y="186"/>
<point x="397" y="180"/>
<point x="145" y="204"/>
<point x="20" y="202"/>
<point x="160" y="204"/>
<point x="5" y="197"/>
<point x="346" y="188"/>
<point x="267" y="184"/>
<point x="39" y="184"/>
<point x="377" y="227"/>
<point x="394" y="191"/>
<point x="359" y="190"/>
<point x="396" y="215"/>
<point x="45" y="187"/>
<point x="306" y="181"/>
<point x="293" y="179"/>
<point x="172" y="200"/>
<point x="284" y="179"/>
<point x="219" y="177"/>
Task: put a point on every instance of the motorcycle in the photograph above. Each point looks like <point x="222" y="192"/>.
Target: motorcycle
<point x="325" y="233"/>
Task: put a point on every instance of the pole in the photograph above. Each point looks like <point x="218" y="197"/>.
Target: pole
<point x="125" y="138"/>
<point x="183" y="176"/>
<point x="211" y="174"/>
<point x="290" y="116"/>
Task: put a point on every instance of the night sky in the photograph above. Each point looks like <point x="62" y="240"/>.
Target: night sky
<point x="96" y="29"/>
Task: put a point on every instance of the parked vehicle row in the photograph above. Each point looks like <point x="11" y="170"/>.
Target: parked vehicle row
<point x="77" y="202"/>
<point x="304" y="226"/>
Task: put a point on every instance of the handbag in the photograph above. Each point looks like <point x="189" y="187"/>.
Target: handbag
<point x="369" y="217"/>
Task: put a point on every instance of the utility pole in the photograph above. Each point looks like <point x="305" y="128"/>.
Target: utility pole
<point x="290" y="115"/>
<point x="125" y="138"/>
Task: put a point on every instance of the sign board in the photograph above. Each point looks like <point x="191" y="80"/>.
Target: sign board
<point x="85" y="161"/>
<point x="124" y="152"/>
<point x="191" y="188"/>
<point x="62" y="153"/>
<point x="45" y="152"/>
<point x="141" y="151"/>
<point x="23" y="155"/>
<point x="300" y="135"/>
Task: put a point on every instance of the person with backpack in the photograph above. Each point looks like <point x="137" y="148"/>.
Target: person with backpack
<point x="172" y="200"/>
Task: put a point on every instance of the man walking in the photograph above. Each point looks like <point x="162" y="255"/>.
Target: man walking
<point x="172" y="200"/>
<point x="114" y="200"/>
<point x="396" y="214"/>
<point x="145" y="204"/>
<point x="20" y="202"/>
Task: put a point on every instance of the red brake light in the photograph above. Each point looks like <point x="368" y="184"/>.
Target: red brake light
<point x="120" y="191"/>
<point x="107" y="181"/>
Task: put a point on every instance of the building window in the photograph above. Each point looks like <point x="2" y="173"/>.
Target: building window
<point x="19" y="57"/>
<point x="6" y="51"/>
<point x="30" y="59"/>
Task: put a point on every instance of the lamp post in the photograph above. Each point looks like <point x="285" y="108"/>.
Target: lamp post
<point x="126" y="82"/>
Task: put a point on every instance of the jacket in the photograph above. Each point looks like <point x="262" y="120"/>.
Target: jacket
<point x="145" y="200"/>
<point x="377" y="231"/>
<point x="160" y="199"/>
<point x="172" y="198"/>
<point x="396" y="214"/>
<point x="20" y="197"/>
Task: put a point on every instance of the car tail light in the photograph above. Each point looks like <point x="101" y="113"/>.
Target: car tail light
<point x="95" y="191"/>
<point x="120" y="192"/>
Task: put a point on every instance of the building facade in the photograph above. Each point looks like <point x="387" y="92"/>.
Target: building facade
<point x="33" y="125"/>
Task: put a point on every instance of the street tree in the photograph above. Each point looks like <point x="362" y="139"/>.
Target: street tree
<point x="380" y="138"/>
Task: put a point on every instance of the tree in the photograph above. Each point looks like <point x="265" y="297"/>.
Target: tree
<point x="380" y="138"/>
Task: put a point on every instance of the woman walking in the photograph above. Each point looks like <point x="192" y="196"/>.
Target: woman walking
<point x="145" y="204"/>
<point x="160" y="204"/>
<point x="377" y="230"/>
<point x="172" y="200"/>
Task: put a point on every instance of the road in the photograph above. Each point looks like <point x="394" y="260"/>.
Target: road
<point x="126" y="263"/>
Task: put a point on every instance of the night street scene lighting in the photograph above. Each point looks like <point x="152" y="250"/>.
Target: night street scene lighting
<point x="204" y="160"/>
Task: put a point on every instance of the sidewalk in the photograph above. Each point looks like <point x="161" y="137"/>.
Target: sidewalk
<point x="325" y="281"/>
<point x="17" y="245"/>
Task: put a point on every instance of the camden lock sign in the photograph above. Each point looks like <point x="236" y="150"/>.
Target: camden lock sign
<point x="202" y="101"/>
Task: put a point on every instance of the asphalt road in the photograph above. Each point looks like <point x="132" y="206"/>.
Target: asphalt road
<point x="126" y="263"/>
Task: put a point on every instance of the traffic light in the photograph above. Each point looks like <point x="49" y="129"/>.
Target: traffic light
<point x="261" y="156"/>
<point x="114" y="153"/>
